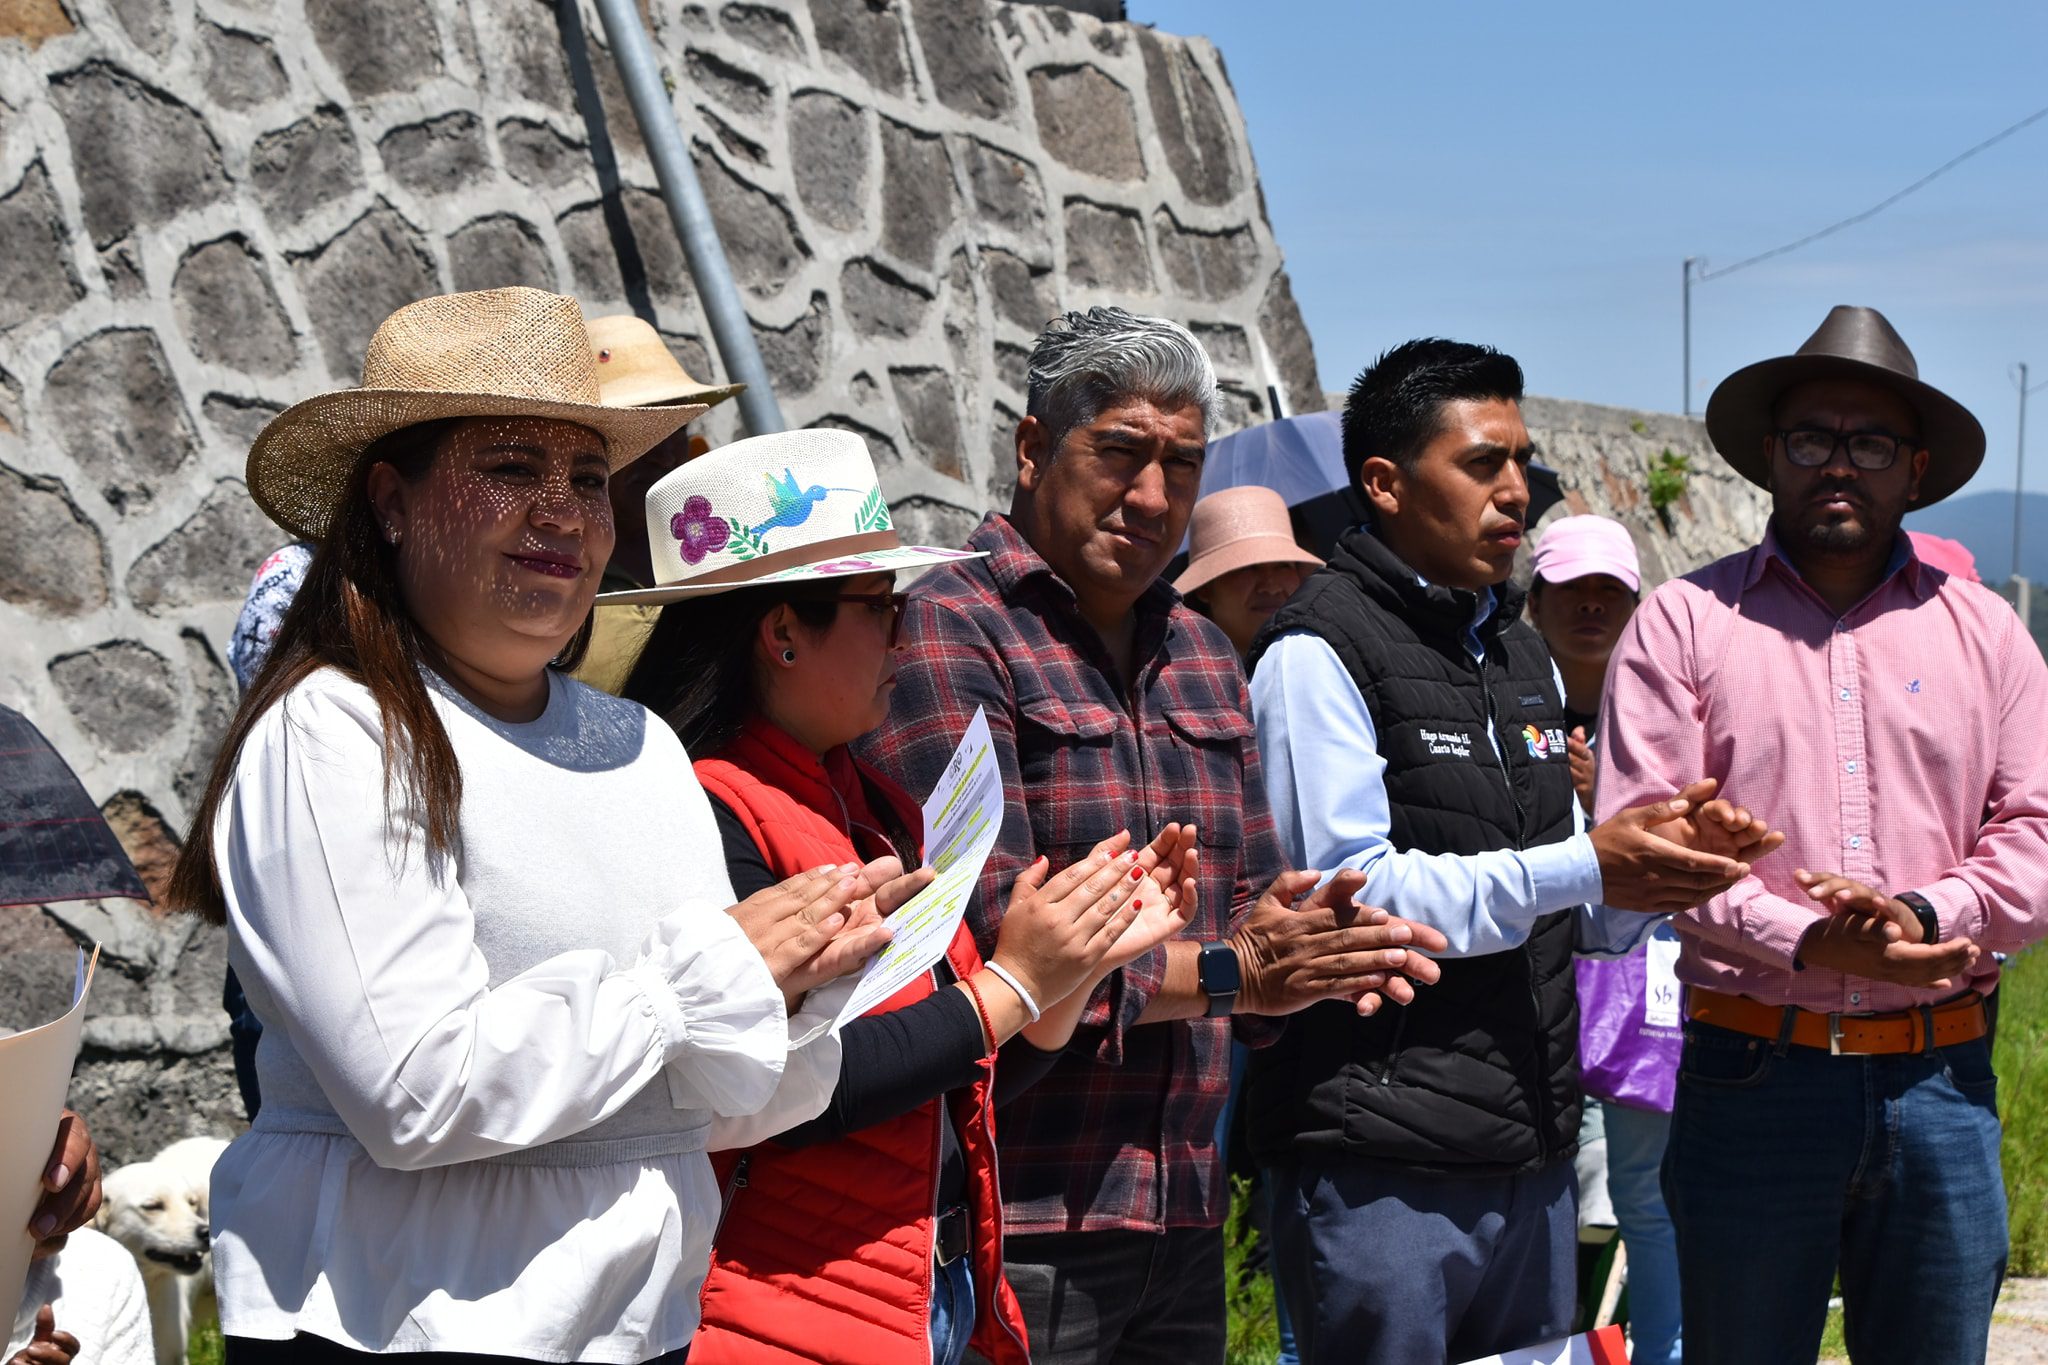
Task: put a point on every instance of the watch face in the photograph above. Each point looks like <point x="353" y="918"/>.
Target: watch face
<point x="1218" y="969"/>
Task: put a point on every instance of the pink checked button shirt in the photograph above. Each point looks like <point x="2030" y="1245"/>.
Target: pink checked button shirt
<point x="1904" y="744"/>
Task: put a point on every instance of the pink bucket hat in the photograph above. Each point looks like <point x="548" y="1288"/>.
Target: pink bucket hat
<point x="1574" y="547"/>
<point x="1235" y="528"/>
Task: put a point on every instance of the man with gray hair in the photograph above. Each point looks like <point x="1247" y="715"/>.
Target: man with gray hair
<point x="1113" y="706"/>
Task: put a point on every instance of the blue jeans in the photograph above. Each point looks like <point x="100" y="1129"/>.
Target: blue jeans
<point x="952" y="1311"/>
<point x="1383" y="1266"/>
<point x="1635" y="1159"/>
<point x="1787" y="1164"/>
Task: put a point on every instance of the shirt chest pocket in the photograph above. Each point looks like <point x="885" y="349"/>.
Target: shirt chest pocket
<point x="1075" y="793"/>
<point x="1204" y="781"/>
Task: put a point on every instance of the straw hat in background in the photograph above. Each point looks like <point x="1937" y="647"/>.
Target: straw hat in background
<point x="513" y="352"/>
<point x="636" y="368"/>
<point x="1235" y="528"/>
<point x="782" y="508"/>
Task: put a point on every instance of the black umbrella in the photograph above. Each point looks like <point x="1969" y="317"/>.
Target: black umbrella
<point x="54" y="843"/>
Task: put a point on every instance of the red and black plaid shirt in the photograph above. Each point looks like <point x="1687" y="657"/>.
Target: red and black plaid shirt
<point x="1121" y="1132"/>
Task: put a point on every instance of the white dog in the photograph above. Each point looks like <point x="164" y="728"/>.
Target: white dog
<point x="157" y="1209"/>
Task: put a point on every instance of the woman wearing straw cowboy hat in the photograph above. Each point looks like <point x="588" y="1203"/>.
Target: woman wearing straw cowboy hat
<point x="872" y="1233"/>
<point x="635" y="369"/>
<point x="500" y="1029"/>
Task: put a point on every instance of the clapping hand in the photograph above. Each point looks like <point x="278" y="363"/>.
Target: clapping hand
<point x="48" y="1346"/>
<point x="1329" y="948"/>
<point x="1877" y="937"/>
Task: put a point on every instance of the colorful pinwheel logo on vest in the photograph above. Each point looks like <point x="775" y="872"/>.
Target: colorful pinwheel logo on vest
<point x="1539" y="745"/>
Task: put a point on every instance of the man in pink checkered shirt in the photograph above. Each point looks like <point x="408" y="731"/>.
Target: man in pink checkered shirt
<point x="1836" y="1107"/>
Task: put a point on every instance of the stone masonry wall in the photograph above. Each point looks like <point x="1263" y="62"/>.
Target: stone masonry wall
<point x="207" y="205"/>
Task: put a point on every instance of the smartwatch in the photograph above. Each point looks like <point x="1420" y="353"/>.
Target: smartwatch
<point x="1221" y="976"/>
<point x="1930" y="923"/>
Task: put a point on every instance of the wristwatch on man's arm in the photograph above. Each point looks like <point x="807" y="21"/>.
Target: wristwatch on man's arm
<point x="1222" y="977"/>
<point x="1930" y="923"/>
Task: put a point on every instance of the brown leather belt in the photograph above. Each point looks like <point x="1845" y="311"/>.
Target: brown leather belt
<point x="1960" y="1020"/>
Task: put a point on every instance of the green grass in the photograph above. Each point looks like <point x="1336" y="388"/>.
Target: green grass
<point x="1254" y="1330"/>
<point x="204" y="1346"/>
<point x="2021" y="1059"/>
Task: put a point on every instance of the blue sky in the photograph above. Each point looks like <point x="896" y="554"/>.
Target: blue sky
<point x="1532" y="175"/>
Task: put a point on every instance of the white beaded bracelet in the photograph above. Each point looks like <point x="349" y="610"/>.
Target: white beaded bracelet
<point x="1003" y="973"/>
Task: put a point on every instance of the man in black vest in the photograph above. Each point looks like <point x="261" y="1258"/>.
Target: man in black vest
<point x="1413" y="728"/>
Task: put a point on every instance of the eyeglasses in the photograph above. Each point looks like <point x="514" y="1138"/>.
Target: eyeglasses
<point x="1812" y="447"/>
<point x="891" y="602"/>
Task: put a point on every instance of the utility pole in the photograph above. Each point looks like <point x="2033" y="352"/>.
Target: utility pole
<point x="687" y="209"/>
<point x="2019" y="473"/>
<point x="1686" y="406"/>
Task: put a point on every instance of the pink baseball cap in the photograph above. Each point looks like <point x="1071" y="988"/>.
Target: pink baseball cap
<point x="1574" y="547"/>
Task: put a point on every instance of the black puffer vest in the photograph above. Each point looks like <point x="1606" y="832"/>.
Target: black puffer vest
<point x="1480" y="1074"/>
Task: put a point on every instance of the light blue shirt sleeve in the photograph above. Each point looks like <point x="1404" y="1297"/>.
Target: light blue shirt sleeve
<point x="1326" y="782"/>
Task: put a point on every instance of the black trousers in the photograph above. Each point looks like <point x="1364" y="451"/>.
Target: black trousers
<point x="1132" y="1298"/>
<point x="310" y="1350"/>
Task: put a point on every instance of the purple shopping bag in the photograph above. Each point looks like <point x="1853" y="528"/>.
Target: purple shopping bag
<point x="1629" y="1024"/>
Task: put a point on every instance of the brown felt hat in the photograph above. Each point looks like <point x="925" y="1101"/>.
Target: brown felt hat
<point x="514" y="352"/>
<point x="636" y="368"/>
<point x="1853" y="343"/>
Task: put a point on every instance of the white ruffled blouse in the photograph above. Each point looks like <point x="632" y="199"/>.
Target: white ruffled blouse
<point x="490" y="1078"/>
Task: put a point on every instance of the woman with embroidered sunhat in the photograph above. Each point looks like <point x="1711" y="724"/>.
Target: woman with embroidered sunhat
<point x="502" y="1024"/>
<point x="872" y="1233"/>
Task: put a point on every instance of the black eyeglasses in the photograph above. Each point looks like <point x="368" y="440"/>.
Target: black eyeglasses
<point x="891" y="602"/>
<point x="1812" y="447"/>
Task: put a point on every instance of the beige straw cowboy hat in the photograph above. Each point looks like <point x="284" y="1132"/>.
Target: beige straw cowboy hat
<point x="1851" y="343"/>
<point x="1234" y="529"/>
<point x="493" y="353"/>
<point x="636" y="368"/>
<point x="788" y="507"/>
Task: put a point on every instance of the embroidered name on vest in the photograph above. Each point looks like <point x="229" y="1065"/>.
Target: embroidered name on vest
<point x="1447" y="743"/>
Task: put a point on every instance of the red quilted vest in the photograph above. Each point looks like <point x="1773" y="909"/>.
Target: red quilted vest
<point x="826" y="1253"/>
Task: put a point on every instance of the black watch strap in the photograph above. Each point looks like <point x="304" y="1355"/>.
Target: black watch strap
<point x="1930" y="922"/>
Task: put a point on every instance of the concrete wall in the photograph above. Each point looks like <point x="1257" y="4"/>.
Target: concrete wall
<point x="207" y="205"/>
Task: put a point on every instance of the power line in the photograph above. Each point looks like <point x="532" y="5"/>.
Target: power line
<point x="1879" y="207"/>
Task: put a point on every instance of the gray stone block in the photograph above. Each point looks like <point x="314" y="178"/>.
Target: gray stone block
<point x="731" y="85"/>
<point x="1287" y="342"/>
<point x="1002" y="455"/>
<point x="306" y="165"/>
<point x="1086" y="120"/>
<point x="828" y="157"/>
<point x="967" y="69"/>
<point x="768" y="29"/>
<point x="141" y="157"/>
<point x="1230" y="350"/>
<point x="380" y="48"/>
<point x="1007" y="189"/>
<point x="795" y="356"/>
<point x="496" y="251"/>
<point x="927" y="521"/>
<point x="240" y="69"/>
<point x="1106" y="248"/>
<point x="374" y="267"/>
<point x="648" y="238"/>
<point x="138" y="1105"/>
<point x="867" y="37"/>
<point x="918" y="199"/>
<point x="1194" y="132"/>
<point x="210" y="558"/>
<point x="1022" y="293"/>
<point x="51" y="557"/>
<point x="761" y="240"/>
<point x="213" y="706"/>
<point x="122" y="694"/>
<point x="228" y="311"/>
<point x="924" y="399"/>
<point x="36" y="276"/>
<point x="149" y="24"/>
<point x="880" y="302"/>
<point x="439" y="156"/>
<point x="118" y="413"/>
<point x="237" y="419"/>
<point x="737" y="144"/>
<point x="1206" y="265"/>
<point x="537" y="155"/>
<point x="1013" y="372"/>
<point x="522" y="53"/>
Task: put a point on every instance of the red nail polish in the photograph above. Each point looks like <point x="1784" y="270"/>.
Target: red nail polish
<point x="1137" y="874"/>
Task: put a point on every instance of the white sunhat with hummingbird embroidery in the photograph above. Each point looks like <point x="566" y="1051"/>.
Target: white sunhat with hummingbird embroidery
<point x="783" y="508"/>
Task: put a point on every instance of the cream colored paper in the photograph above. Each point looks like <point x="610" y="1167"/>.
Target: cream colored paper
<point x="35" y="1072"/>
<point x="961" y="819"/>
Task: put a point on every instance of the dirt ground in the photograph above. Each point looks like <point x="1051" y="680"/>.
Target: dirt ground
<point x="2019" y="1327"/>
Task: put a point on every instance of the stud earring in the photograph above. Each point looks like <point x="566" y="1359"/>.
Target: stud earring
<point x="789" y="656"/>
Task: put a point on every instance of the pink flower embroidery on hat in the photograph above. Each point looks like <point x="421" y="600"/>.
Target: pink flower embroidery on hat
<point x="697" y="531"/>
<point x="848" y="566"/>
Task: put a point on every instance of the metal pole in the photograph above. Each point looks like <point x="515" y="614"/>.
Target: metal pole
<point x="730" y="327"/>
<point x="1686" y="406"/>
<point x="2019" y="473"/>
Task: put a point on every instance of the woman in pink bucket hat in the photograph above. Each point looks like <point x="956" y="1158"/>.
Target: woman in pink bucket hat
<point x="1243" y="563"/>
